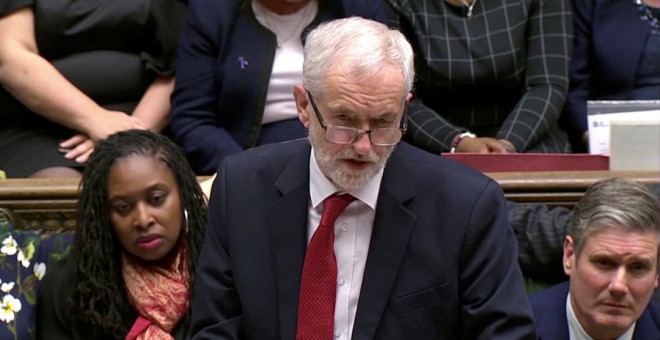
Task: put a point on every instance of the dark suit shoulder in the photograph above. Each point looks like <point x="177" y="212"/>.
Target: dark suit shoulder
<point x="262" y="166"/>
<point x="432" y="169"/>
<point x="654" y="311"/>
<point x="648" y="325"/>
<point x="552" y="294"/>
<point x="270" y="156"/>
<point x="549" y="311"/>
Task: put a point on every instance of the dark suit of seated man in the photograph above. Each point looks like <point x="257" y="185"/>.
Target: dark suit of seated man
<point x="424" y="251"/>
<point x="611" y="258"/>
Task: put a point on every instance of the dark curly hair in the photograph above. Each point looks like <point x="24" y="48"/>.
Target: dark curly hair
<point x="99" y="299"/>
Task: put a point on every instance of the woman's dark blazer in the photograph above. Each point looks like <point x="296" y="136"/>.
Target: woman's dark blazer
<point x="608" y="42"/>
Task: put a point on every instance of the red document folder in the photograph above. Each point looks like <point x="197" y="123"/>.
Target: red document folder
<point x="531" y="161"/>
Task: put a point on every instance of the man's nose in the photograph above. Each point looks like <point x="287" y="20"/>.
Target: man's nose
<point x="363" y="144"/>
<point x="619" y="282"/>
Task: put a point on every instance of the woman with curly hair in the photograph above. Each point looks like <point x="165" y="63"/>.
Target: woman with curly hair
<point x="140" y="226"/>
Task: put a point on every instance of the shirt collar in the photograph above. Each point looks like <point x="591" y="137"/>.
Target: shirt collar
<point x="320" y="186"/>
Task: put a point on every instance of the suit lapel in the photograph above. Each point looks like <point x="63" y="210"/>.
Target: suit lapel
<point x="551" y="321"/>
<point x="288" y="237"/>
<point x="647" y="325"/>
<point x="393" y="225"/>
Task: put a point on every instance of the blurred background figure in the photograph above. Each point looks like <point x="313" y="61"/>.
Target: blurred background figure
<point x="492" y="76"/>
<point x="238" y="64"/>
<point x="140" y="226"/>
<point x="616" y="56"/>
<point x="74" y="72"/>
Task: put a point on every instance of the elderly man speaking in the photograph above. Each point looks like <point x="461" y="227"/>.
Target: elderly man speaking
<point x="352" y="234"/>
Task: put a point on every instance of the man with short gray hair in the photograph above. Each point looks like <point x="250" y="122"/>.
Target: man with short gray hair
<point x="611" y="257"/>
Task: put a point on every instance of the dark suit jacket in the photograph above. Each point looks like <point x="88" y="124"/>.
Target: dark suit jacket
<point x="550" y="315"/>
<point x="442" y="261"/>
<point x="609" y="37"/>
<point x="223" y="69"/>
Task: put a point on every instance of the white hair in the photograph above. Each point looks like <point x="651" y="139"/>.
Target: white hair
<point x="363" y="45"/>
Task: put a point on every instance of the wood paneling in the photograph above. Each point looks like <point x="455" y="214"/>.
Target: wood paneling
<point x="50" y="203"/>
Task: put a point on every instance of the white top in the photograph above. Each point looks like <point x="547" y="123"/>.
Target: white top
<point x="287" y="66"/>
<point x="352" y="234"/>
<point x="575" y="330"/>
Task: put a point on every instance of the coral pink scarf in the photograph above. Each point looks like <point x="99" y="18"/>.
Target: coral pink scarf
<point x="160" y="296"/>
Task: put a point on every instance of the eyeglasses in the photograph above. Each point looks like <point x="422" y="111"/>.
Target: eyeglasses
<point x="348" y="135"/>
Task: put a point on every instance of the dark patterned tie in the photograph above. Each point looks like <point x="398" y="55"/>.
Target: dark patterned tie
<point x="318" y="287"/>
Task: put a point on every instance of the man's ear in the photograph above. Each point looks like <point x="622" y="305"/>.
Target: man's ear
<point x="569" y="255"/>
<point x="302" y="104"/>
<point x="409" y="97"/>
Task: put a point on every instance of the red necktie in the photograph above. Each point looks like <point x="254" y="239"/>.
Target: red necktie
<point x="318" y="287"/>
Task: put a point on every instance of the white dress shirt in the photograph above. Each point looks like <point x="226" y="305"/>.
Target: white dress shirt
<point x="352" y="236"/>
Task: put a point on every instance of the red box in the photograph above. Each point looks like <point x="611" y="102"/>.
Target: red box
<point x="531" y="161"/>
